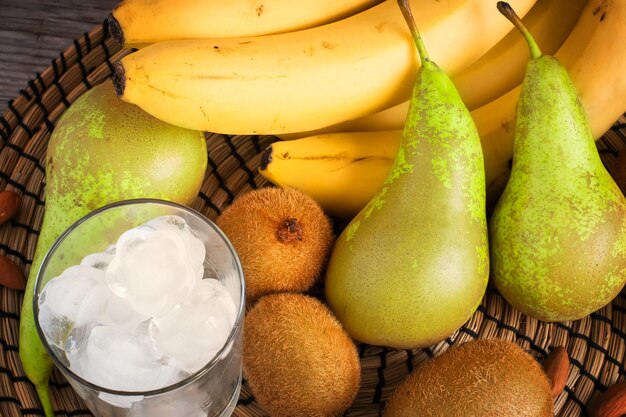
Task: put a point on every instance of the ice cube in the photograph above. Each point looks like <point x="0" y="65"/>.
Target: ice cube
<point x="150" y="270"/>
<point x="196" y="250"/>
<point x="73" y="299"/>
<point x="142" y="328"/>
<point x="77" y="338"/>
<point x="119" y="313"/>
<point x="121" y="401"/>
<point x="98" y="260"/>
<point x="120" y="361"/>
<point x="93" y="305"/>
<point x="196" y="330"/>
<point x="87" y="316"/>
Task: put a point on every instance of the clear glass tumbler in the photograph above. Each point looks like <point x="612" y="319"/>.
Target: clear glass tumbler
<point x="211" y="391"/>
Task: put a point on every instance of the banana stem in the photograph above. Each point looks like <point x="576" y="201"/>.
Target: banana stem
<point x="508" y="12"/>
<point x="405" y="7"/>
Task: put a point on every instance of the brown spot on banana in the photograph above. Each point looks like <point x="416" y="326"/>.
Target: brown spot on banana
<point x="164" y="92"/>
<point x="204" y="113"/>
<point x="338" y="157"/>
<point x="266" y="158"/>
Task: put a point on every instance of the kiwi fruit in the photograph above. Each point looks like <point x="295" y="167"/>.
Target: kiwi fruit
<point x="297" y="359"/>
<point x="484" y="378"/>
<point x="282" y="236"/>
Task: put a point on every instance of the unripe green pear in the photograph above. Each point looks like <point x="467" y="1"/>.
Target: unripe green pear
<point x="104" y="150"/>
<point x="413" y="265"/>
<point x="558" y="232"/>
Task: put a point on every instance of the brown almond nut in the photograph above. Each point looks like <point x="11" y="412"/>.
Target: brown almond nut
<point x="9" y="203"/>
<point x="556" y="367"/>
<point x="611" y="403"/>
<point x="11" y="276"/>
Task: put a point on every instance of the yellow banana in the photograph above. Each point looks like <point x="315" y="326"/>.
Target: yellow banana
<point x="141" y="22"/>
<point x="341" y="171"/>
<point x="307" y="79"/>
<point x="594" y="57"/>
<point x="389" y="119"/>
<point x="492" y="75"/>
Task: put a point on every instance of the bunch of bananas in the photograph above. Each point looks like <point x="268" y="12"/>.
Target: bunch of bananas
<point x="330" y="77"/>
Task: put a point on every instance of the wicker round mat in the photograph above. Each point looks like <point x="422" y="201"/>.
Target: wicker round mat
<point x="596" y="344"/>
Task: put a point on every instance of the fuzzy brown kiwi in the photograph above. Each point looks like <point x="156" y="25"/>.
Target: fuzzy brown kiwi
<point x="297" y="358"/>
<point x="282" y="236"/>
<point x="487" y="378"/>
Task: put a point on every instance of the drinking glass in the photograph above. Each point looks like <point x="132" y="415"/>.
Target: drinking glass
<point x="211" y="391"/>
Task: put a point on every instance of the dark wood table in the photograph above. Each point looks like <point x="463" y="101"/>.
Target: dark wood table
<point x="33" y="32"/>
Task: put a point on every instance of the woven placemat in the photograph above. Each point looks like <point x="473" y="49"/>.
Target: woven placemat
<point x="596" y="344"/>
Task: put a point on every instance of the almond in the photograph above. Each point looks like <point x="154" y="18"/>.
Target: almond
<point x="9" y="203"/>
<point x="556" y="367"/>
<point x="611" y="403"/>
<point x="11" y="276"/>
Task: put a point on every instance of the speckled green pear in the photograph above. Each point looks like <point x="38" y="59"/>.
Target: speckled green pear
<point x="412" y="266"/>
<point x="104" y="150"/>
<point x="558" y="232"/>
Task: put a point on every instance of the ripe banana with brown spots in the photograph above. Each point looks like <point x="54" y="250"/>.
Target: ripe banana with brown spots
<point x="341" y="171"/>
<point x="307" y="79"/>
<point x="141" y="22"/>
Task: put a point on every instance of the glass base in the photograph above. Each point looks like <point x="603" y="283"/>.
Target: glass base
<point x="230" y="407"/>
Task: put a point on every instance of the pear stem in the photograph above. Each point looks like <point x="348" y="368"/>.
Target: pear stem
<point x="44" y="396"/>
<point x="405" y="7"/>
<point x="508" y="12"/>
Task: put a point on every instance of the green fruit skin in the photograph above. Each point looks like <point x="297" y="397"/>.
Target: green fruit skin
<point x="413" y="265"/>
<point x="104" y="150"/>
<point x="558" y="233"/>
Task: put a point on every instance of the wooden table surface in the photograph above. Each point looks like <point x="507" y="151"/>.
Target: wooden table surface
<point x="33" y="32"/>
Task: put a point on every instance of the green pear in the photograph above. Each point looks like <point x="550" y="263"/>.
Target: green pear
<point x="101" y="151"/>
<point x="413" y="265"/>
<point x="558" y="232"/>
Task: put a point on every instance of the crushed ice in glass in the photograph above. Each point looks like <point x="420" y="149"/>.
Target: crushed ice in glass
<point x="142" y="314"/>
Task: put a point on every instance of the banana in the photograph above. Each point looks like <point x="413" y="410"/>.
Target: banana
<point x="389" y="119"/>
<point x="594" y="57"/>
<point x="341" y="171"/>
<point x="307" y="79"/>
<point x="140" y="22"/>
<point x="492" y="75"/>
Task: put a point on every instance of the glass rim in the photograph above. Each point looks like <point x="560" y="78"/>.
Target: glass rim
<point x="168" y="388"/>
